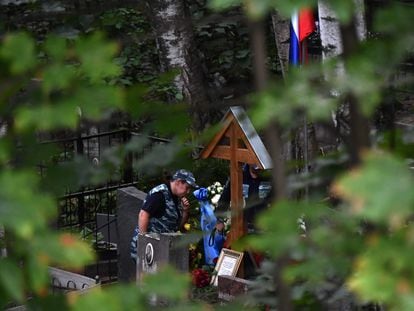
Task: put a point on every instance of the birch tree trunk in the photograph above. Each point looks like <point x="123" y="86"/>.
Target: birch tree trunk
<point x="171" y="23"/>
<point x="341" y="40"/>
<point x="330" y="33"/>
<point x="281" y="31"/>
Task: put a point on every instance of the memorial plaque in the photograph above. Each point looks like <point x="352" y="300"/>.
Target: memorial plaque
<point x="228" y="263"/>
<point x="156" y="250"/>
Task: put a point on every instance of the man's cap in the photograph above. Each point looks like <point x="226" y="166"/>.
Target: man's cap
<point x="187" y="176"/>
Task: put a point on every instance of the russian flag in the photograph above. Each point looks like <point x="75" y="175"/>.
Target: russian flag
<point x="301" y="26"/>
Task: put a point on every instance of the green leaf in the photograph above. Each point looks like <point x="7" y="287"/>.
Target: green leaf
<point x="223" y="4"/>
<point x="285" y="8"/>
<point x="256" y="10"/>
<point x="159" y="156"/>
<point x="55" y="301"/>
<point x="303" y="93"/>
<point x="5" y="150"/>
<point x="344" y="9"/>
<point x="118" y="297"/>
<point x="242" y="53"/>
<point x="11" y="279"/>
<point x="395" y="20"/>
<point x="48" y="117"/>
<point x="22" y="207"/>
<point x="379" y="267"/>
<point x="396" y="141"/>
<point x="179" y="96"/>
<point x="38" y="273"/>
<point x="280" y="236"/>
<point x="160" y="284"/>
<point x="56" y="47"/>
<point x="380" y="190"/>
<point x="66" y="113"/>
<point x="97" y="57"/>
<point x="64" y="250"/>
<point x="96" y="299"/>
<point x="57" y="77"/>
<point x="97" y="101"/>
<point x="202" y="305"/>
<point x="19" y="50"/>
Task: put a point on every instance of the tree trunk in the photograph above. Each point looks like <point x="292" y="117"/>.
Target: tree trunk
<point x="329" y="31"/>
<point x="275" y="147"/>
<point x="342" y="40"/>
<point x="295" y="148"/>
<point x="359" y="126"/>
<point x="360" y="20"/>
<point x="172" y="25"/>
<point x="281" y="31"/>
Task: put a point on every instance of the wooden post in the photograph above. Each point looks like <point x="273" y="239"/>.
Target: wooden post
<point x="239" y="143"/>
<point x="236" y="184"/>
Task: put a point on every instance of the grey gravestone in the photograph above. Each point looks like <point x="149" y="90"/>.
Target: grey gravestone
<point x="157" y="250"/>
<point x="129" y="203"/>
<point x="229" y="287"/>
<point x="106" y="224"/>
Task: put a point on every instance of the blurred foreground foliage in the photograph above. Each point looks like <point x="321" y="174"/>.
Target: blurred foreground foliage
<point x="49" y="87"/>
<point x="363" y="242"/>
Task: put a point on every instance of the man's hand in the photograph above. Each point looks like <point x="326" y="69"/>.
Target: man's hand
<point x="185" y="203"/>
<point x="186" y="208"/>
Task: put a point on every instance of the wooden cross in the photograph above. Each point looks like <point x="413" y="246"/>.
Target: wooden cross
<point x="238" y="142"/>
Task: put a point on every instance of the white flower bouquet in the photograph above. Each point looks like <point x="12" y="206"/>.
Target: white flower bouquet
<point x="214" y="193"/>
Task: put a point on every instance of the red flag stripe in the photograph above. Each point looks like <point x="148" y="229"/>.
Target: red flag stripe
<point x="306" y="24"/>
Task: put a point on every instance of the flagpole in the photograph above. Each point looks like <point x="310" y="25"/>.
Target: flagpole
<point x="305" y="124"/>
<point x="302" y="25"/>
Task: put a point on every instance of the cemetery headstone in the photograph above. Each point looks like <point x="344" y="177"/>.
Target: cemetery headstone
<point x="129" y="203"/>
<point x="156" y="250"/>
<point x="229" y="287"/>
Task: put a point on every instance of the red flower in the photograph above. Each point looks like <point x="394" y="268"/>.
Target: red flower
<point x="200" y="277"/>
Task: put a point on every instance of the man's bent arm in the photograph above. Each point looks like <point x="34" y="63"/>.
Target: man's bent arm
<point x="184" y="219"/>
<point x="185" y="212"/>
<point x="143" y="221"/>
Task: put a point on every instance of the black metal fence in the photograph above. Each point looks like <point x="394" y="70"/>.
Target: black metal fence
<point x="92" y="215"/>
<point x="90" y="212"/>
